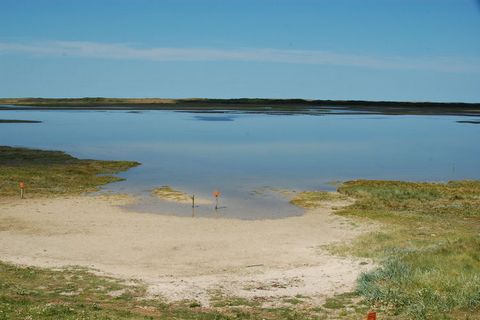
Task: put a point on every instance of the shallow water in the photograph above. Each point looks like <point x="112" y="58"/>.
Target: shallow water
<point x="238" y="153"/>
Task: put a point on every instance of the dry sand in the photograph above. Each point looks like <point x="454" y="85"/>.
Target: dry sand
<point x="183" y="258"/>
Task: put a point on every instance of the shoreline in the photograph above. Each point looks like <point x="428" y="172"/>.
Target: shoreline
<point x="267" y="106"/>
<point x="345" y="255"/>
<point x="326" y="262"/>
<point x="183" y="258"/>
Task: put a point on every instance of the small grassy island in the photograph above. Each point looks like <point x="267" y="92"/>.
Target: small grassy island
<point x="48" y="173"/>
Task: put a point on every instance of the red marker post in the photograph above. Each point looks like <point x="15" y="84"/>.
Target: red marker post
<point x="216" y="194"/>
<point x="22" y="189"/>
<point x="372" y="315"/>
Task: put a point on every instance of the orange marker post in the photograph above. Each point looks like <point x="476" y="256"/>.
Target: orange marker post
<point x="372" y="315"/>
<point x="216" y="194"/>
<point x="22" y="189"/>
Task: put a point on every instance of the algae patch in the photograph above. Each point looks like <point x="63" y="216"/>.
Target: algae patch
<point x="167" y="193"/>
<point x="316" y="199"/>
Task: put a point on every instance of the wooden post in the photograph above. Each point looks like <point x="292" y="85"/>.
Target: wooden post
<point x="193" y="201"/>
<point x="216" y="194"/>
<point x="22" y="189"/>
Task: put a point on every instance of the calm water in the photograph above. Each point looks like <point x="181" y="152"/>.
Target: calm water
<point x="240" y="153"/>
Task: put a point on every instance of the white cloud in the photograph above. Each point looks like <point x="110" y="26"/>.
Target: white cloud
<point x="312" y="57"/>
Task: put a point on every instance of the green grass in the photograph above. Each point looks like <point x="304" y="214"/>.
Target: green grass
<point x="346" y="303"/>
<point x="35" y="293"/>
<point x="428" y="246"/>
<point x="220" y="300"/>
<point x="53" y="172"/>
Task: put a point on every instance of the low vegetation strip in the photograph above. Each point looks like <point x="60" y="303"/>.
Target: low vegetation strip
<point x="35" y="293"/>
<point x="53" y="172"/>
<point x="75" y="293"/>
<point x="18" y="121"/>
<point x="246" y="104"/>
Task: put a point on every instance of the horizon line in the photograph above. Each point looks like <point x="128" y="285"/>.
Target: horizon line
<point x="245" y="98"/>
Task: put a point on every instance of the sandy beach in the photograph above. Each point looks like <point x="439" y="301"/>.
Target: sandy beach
<point x="183" y="258"/>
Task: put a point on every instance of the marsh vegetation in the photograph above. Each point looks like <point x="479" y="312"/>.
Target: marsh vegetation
<point x="47" y="173"/>
<point x="428" y="247"/>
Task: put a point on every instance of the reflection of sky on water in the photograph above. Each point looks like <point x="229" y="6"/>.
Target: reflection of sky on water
<point x="214" y="118"/>
<point x="241" y="152"/>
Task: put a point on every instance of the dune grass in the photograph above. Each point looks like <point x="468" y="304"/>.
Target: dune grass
<point x="428" y="247"/>
<point x="48" y="173"/>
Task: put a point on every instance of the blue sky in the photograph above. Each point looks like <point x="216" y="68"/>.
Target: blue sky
<point x="326" y="49"/>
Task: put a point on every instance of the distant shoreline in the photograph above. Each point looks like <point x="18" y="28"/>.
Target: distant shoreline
<point x="276" y="106"/>
<point x="18" y="121"/>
